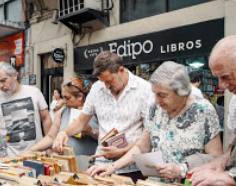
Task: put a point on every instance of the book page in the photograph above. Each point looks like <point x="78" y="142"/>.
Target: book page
<point x="146" y="162"/>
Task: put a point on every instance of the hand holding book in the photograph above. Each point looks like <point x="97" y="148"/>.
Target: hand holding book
<point x="114" y="144"/>
<point x="114" y="138"/>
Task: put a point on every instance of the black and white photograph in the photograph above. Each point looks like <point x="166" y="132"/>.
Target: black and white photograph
<point x="22" y="127"/>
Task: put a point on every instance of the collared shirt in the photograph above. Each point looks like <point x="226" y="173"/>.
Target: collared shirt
<point x="185" y="134"/>
<point x="126" y="113"/>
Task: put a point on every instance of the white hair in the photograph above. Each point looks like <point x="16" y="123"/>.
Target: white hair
<point x="224" y="47"/>
<point x="174" y="76"/>
<point x="7" y="68"/>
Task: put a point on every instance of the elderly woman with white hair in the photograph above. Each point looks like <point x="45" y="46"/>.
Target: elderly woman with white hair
<point x="177" y="125"/>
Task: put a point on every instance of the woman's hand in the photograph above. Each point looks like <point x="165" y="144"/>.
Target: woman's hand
<point x="168" y="170"/>
<point x="101" y="170"/>
<point x="60" y="141"/>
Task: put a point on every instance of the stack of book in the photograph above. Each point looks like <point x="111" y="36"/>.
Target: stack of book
<point x="39" y="164"/>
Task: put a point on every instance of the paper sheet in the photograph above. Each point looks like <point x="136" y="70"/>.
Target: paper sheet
<point x="145" y="162"/>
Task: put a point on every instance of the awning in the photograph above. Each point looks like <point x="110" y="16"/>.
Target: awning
<point x="9" y="28"/>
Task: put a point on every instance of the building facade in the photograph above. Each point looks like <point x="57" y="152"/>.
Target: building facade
<point x="144" y="34"/>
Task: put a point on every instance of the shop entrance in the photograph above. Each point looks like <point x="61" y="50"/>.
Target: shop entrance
<point x="51" y="76"/>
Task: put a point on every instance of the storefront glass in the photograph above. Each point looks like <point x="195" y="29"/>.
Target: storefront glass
<point x="136" y="9"/>
<point x="51" y="76"/>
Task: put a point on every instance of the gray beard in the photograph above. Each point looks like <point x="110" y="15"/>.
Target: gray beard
<point x="9" y="93"/>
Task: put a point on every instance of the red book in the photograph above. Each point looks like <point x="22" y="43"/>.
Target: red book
<point x="46" y="169"/>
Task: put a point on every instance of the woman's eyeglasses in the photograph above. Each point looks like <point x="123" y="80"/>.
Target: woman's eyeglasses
<point x="75" y="83"/>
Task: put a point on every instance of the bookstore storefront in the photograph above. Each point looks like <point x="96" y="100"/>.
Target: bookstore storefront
<point x="142" y="54"/>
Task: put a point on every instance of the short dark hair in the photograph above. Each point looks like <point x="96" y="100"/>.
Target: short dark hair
<point x="106" y="60"/>
<point x="195" y="76"/>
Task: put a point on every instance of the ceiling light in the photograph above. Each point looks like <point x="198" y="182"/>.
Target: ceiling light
<point x="196" y="64"/>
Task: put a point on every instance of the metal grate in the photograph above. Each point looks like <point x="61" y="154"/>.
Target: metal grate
<point x="69" y="6"/>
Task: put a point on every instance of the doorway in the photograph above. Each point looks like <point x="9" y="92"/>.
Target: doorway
<point x="51" y="76"/>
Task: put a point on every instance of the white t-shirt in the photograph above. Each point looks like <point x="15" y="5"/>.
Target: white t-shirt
<point x="196" y="92"/>
<point x="232" y="113"/>
<point x="21" y="118"/>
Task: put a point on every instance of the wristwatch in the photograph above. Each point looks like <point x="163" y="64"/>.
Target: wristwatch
<point x="183" y="169"/>
<point x="232" y="173"/>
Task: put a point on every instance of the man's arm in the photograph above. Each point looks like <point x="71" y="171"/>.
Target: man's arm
<point x="46" y="120"/>
<point x="78" y="124"/>
<point x="47" y="141"/>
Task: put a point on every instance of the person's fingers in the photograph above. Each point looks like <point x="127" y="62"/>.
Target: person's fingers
<point x="163" y="175"/>
<point x="107" y="148"/>
<point x="64" y="143"/>
<point x="97" y="170"/>
<point x="165" y="171"/>
<point x="197" y="179"/>
<point x="58" y="142"/>
<point x="65" y="140"/>
<point x="196" y="169"/>
<point x="105" y="173"/>
<point x="90" y="170"/>
<point x="97" y="155"/>
<point x="203" y="183"/>
<point x="55" y="145"/>
<point x="160" y="167"/>
<point x="61" y="142"/>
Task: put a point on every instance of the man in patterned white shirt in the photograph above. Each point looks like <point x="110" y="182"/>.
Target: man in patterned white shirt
<point x="120" y="100"/>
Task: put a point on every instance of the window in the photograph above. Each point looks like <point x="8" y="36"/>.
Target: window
<point x="136" y="9"/>
<point x="70" y="6"/>
<point x="177" y="4"/>
<point x="13" y="11"/>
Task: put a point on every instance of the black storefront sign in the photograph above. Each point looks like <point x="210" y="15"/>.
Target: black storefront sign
<point x="58" y="55"/>
<point x="181" y="42"/>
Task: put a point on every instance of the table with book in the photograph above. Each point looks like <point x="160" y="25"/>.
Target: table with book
<point x="40" y="168"/>
<point x="50" y="168"/>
